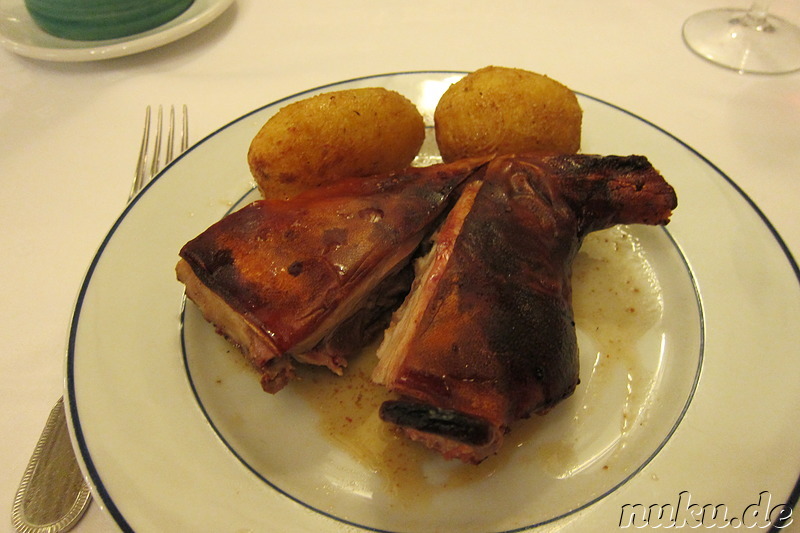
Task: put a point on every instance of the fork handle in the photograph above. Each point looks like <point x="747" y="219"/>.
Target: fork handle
<point x="53" y="494"/>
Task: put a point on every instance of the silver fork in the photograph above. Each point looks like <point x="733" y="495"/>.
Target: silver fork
<point x="53" y="494"/>
<point x="145" y="171"/>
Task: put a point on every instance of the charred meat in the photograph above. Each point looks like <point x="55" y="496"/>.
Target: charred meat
<point x="313" y="278"/>
<point x="482" y="332"/>
<point x="486" y="335"/>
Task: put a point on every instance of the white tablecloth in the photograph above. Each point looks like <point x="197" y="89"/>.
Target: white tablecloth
<point x="69" y="131"/>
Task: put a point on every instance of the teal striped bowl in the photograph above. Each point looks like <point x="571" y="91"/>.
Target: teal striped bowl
<point x="93" y="20"/>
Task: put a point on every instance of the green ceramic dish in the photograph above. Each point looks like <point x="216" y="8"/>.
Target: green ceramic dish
<point x="93" y="20"/>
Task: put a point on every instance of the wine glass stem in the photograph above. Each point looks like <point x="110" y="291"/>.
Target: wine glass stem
<point x="756" y="16"/>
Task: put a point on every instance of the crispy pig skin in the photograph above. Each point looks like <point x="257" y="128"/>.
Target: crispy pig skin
<point x="486" y="335"/>
<point x="279" y="278"/>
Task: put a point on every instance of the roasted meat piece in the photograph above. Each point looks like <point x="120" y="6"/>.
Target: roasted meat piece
<point x="311" y="278"/>
<point x="486" y="335"/>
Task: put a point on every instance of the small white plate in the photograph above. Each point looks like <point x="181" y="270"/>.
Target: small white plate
<point x="21" y="35"/>
<point x="174" y="433"/>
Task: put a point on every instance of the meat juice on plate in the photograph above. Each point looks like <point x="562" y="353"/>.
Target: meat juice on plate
<point x="616" y="300"/>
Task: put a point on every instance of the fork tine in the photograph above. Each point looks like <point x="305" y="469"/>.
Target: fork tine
<point x="170" y="136"/>
<point x="138" y="180"/>
<point x="185" y="129"/>
<point x="155" y="163"/>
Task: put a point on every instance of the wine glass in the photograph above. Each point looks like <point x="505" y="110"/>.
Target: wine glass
<point x="745" y="40"/>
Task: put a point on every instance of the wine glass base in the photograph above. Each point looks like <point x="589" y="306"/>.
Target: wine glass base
<point x="724" y="37"/>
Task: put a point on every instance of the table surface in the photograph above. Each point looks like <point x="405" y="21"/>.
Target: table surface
<point x="69" y="131"/>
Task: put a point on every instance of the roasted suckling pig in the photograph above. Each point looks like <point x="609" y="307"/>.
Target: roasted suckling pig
<point x="486" y="335"/>
<point x="313" y="278"/>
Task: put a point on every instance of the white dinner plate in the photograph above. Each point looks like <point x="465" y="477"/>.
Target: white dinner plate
<point x="174" y="432"/>
<point x="20" y="34"/>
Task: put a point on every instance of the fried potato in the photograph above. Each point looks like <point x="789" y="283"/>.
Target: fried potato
<point x="499" y="110"/>
<point x="350" y="133"/>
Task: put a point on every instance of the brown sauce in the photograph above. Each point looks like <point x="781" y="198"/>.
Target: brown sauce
<point x="616" y="300"/>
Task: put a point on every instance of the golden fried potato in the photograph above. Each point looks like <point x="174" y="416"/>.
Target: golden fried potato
<point x="499" y="110"/>
<point x="350" y="133"/>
